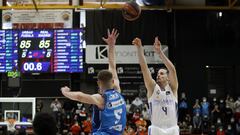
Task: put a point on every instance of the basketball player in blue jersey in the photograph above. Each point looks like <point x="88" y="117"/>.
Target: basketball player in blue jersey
<point x="109" y="116"/>
<point x="162" y="93"/>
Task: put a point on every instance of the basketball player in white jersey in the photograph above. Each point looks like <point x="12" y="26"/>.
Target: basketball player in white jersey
<point x="162" y="93"/>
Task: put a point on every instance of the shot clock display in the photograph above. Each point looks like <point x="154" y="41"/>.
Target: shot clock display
<point x="39" y="51"/>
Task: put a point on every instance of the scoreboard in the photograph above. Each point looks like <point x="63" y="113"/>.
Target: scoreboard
<point x="8" y="50"/>
<point x="47" y="51"/>
<point x="68" y="51"/>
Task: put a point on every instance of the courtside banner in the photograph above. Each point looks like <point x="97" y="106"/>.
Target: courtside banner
<point x="125" y="54"/>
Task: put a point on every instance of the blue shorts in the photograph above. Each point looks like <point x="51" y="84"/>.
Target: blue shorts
<point x="100" y="133"/>
<point x="104" y="133"/>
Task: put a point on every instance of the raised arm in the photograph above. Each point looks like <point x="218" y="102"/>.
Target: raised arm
<point x="171" y="68"/>
<point x="95" y="99"/>
<point x="148" y="80"/>
<point x="111" y="41"/>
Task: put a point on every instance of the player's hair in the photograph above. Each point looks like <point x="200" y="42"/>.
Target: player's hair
<point x="44" y="124"/>
<point x="164" y="68"/>
<point x="105" y="76"/>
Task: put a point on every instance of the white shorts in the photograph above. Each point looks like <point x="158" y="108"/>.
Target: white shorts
<point x="153" y="130"/>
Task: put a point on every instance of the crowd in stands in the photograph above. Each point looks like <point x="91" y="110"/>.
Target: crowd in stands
<point x="208" y="116"/>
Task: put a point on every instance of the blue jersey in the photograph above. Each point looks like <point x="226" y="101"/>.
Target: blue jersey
<point x="112" y="119"/>
<point x="95" y="119"/>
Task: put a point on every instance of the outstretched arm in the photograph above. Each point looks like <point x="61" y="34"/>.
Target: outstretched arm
<point x="148" y="80"/>
<point x="171" y="68"/>
<point x="111" y="41"/>
<point x="95" y="99"/>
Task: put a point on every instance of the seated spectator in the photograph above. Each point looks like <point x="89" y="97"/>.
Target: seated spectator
<point x="237" y="109"/>
<point x="220" y="131"/>
<point x="87" y="126"/>
<point x="197" y="122"/>
<point x="229" y="130"/>
<point x="75" y="129"/>
<point x="137" y="103"/>
<point x="212" y="130"/>
<point x="130" y="130"/>
<point x="44" y="124"/>
<point x="238" y="127"/>
<point x="136" y="115"/>
<point x="205" y="124"/>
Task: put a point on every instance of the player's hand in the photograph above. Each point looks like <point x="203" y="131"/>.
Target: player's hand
<point x="157" y="45"/>
<point x="112" y="37"/>
<point x="137" y="42"/>
<point x="65" y="89"/>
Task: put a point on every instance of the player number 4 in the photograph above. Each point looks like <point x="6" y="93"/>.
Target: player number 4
<point x="165" y="110"/>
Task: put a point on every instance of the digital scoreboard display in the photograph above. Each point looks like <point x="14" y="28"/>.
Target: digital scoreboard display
<point x="37" y="51"/>
<point x="68" y="51"/>
<point x="8" y="50"/>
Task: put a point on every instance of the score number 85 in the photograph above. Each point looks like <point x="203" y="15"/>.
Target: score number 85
<point x="27" y="44"/>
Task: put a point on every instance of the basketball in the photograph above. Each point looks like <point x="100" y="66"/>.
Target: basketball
<point x="131" y="11"/>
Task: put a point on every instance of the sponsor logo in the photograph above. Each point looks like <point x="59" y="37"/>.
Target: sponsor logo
<point x="101" y="52"/>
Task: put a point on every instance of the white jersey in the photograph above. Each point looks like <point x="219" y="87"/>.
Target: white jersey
<point x="163" y="108"/>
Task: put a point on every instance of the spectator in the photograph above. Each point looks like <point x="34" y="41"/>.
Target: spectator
<point x="237" y="109"/>
<point x="219" y="123"/>
<point x="44" y="124"/>
<point x="205" y="107"/>
<point x="196" y="108"/>
<point x="229" y="130"/>
<point x="197" y="122"/>
<point x="215" y="113"/>
<point x="87" y="126"/>
<point x="82" y="114"/>
<point x="220" y="131"/>
<point x="75" y="129"/>
<point x="128" y="105"/>
<point x="222" y="106"/>
<point x="141" y="126"/>
<point x="130" y="130"/>
<point x="228" y="113"/>
<point x="136" y="115"/>
<point x="56" y="108"/>
<point x="212" y="130"/>
<point x="137" y="103"/>
<point x="39" y="105"/>
<point x="183" y="108"/>
<point x="205" y="124"/>
<point x="238" y="127"/>
<point x="213" y="103"/>
<point x="230" y="102"/>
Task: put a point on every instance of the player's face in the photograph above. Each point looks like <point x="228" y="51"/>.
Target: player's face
<point x="162" y="76"/>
